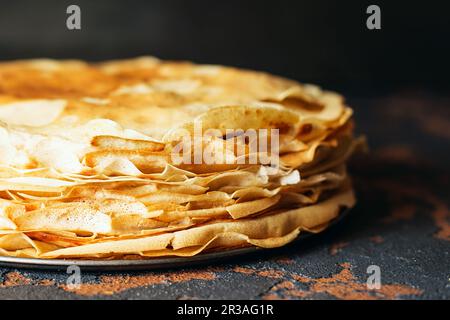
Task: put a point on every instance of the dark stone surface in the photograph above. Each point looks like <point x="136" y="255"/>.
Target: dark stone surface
<point x="401" y="224"/>
<point x="322" y="41"/>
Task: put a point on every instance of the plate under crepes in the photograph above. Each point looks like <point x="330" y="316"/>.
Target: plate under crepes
<point x="123" y="264"/>
<point x="141" y="264"/>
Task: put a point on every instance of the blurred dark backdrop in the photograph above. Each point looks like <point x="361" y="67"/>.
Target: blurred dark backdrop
<point x="324" y="42"/>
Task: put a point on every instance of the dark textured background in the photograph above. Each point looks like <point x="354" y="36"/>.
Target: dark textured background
<point x="322" y="41"/>
<point x="396" y="79"/>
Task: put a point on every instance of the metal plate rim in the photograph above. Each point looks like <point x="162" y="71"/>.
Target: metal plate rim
<point x="122" y="264"/>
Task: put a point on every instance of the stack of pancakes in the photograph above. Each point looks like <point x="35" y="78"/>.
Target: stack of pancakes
<point x="90" y="163"/>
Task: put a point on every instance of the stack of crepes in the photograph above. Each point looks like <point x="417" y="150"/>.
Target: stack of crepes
<point x="87" y="167"/>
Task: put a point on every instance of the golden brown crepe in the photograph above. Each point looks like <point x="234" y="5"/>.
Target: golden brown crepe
<point x="88" y="166"/>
